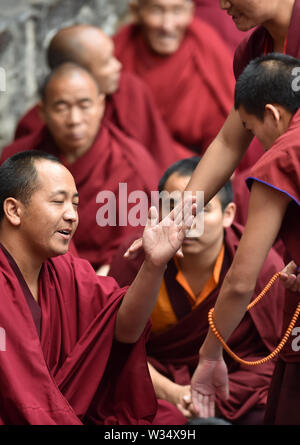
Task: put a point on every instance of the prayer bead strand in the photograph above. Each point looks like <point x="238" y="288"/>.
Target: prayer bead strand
<point x="250" y="306"/>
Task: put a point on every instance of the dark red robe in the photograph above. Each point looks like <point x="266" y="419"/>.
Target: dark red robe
<point x="174" y="352"/>
<point x="279" y="169"/>
<point x="113" y="158"/>
<point x="131" y="109"/>
<point x="193" y="87"/>
<point x="210" y="12"/>
<point x="72" y="371"/>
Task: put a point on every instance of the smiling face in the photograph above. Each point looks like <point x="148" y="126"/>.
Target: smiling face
<point x="73" y="109"/>
<point x="49" y="220"/>
<point x="164" y="23"/>
<point x="247" y="14"/>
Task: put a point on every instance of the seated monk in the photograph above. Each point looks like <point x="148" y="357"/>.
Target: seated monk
<point x="186" y="65"/>
<point x="98" y="155"/>
<point x="72" y="343"/>
<point x="189" y="290"/>
<point x="129" y="104"/>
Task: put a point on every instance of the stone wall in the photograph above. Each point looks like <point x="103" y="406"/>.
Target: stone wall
<point x="26" y="26"/>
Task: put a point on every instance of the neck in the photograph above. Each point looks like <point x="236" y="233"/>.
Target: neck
<point x="278" y="27"/>
<point x="29" y="266"/>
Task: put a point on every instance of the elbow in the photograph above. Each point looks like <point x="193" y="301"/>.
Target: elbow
<point x="127" y="334"/>
<point x="239" y="285"/>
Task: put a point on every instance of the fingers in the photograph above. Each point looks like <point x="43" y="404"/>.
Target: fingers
<point x="134" y="249"/>
<point x="290" y="268"/>
<point x="152" y="217"/>
<point x="290" y="277"/>
<point x="204" y="404"/>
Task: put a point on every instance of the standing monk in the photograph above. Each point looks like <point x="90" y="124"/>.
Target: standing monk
<point x="73" y="343"/>
<point x="267" y="99"/>
<point x="99" y="156"/>
<point x="278" y="25"/>
<point x="128" y="103"/>
<point x="186" y="65"/>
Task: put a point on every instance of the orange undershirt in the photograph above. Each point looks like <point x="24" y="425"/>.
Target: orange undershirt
<point x="163" y="315"/>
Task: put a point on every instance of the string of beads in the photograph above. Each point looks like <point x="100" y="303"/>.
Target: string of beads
<point x="250" y="306"/>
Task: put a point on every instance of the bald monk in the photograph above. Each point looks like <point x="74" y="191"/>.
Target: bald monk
<point x="128" y="102"/>
<point x="186" y="65"/>
<point x="268" y="102"/>
<point x="98" y="155"/>
<point x="73" y="343"/>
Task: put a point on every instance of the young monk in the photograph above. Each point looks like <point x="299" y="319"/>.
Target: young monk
<point x="267" y="100"/>
<point x="74" y="347"/>
<point x="189" y="289"/>
<point x="128" y="102"/>
<point x="98" y="154"/>
<point x="185" y="63"/>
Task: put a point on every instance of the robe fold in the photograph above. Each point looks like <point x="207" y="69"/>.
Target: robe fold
<point x="193" y="87"/>
<point x="133" y="111"/>
<point x="174" y="352"/>
<point x="279" y="169"/>
<point x="75" y="372"/>
<point x="113" y="158"/>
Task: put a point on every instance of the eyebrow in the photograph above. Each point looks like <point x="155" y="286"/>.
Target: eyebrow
<point x="63" y="192"/>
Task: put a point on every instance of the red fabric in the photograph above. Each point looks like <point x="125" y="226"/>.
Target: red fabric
<point x="132" y="110"/>
<point x="254" y="45"/>
<point x="193" y="87"/>
<point x="210" y="12"/>
<point x="113" y="158"/>
<point x="175" y="352"/>
<point x="75" y="373"/>
<point x="279" y="168"/>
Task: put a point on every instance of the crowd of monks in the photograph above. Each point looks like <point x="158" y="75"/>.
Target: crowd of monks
<point x="152" y="108"/>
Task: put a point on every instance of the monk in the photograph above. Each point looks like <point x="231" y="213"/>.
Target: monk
<point x="267" y="100"/>
<point x="128" y="102"/>
<point x="189" y="289"/>
<point x="186" y="65"/>
<point x="107" y="165"/>
<point x="74" y="349"/>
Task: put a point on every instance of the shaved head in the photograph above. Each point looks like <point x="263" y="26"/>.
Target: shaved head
<point x="90" y="47"/>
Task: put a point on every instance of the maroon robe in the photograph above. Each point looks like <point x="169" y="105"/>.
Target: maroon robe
<point x="174" y="352"/>
<point x="131" y="109"/>
<point x="193" y="87"/>
<point x="210" y="12"/>
<point x="74" y="372"/>
<point x="279" y="169"/>
<point x="113" y="158"/>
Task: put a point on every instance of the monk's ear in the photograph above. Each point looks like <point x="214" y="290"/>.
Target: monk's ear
<point x="41" y="110"/>
<point x="13" y="210"/>
<point x="229" y="214"/>
<point x="274" y="112"/>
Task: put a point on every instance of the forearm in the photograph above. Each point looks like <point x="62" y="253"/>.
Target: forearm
<point x="138" y="303"/>
<point x="164" y="387"/>
<point x="221" y="158"/>
<point x="228" y="312"/>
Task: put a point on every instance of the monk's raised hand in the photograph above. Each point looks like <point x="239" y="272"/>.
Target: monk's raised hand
<point x="161" y="240"/>
<point x="135" y="248"/>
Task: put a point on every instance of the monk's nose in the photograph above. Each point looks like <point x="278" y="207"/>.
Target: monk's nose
<point x="168" y="22"/>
